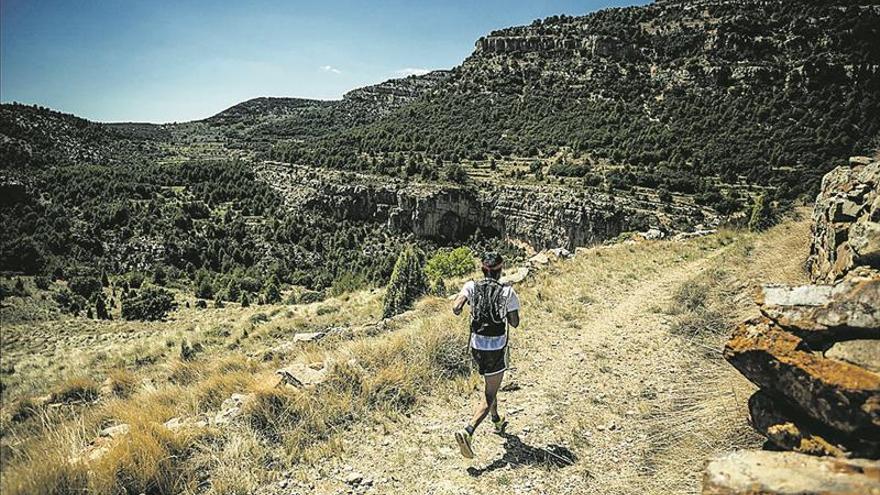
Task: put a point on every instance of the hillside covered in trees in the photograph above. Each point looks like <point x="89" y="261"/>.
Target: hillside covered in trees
<point x="712" y="104"/>
<point x="768" y="92"/>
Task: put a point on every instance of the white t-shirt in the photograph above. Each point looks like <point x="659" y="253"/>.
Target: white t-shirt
<point x="485" y="342"/>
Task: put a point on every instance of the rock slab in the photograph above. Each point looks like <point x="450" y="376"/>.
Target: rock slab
<point x="760" y="472"/>
<point x="838" y="394"/>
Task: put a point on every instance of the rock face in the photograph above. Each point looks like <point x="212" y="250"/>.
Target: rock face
<point x="787" y="428"/>
<point x="815" y="353"/>
<point x="789" y="473"/>
<point x="846" y="221"/>
<point x="539" y="217"/>
<point x="827" y="313"/>
<point x="839" y="394"/>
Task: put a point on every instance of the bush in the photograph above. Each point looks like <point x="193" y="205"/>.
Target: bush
<point x="272" y="295"/>
<point x="18" y="289"/>
<point x="763" y="216"/>
<point x="450" y="263"/>
<point x="42" y="282"/>
<point x="159" y="276"/>
<point x="569" y="170"/>
<point x="348" y="282"/>
<point x="101" y="311"/>
<point x="69" y="302"/>
<point x="233" y="292"/>
<point x="150" y="303"/>
<point x="85" y="287"/>
<point x="77" y="389"/>
<point x="204" y="289"/>
<point x="407" y="281"/>
<point x="135" y="280"/>
<point x="454" y="173"/>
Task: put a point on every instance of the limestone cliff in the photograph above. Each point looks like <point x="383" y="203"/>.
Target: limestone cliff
<point x="539" y="217"/>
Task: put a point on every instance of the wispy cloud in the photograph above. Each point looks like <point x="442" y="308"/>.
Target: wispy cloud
<point x="411" y="71"/>
<point x="330" y="68"/>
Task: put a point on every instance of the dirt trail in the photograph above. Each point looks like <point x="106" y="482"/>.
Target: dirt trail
<point x="593" y="408"/>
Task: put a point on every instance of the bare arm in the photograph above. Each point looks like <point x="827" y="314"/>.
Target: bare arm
<point x="513" y="318"/>
<point x="458" y="304"/>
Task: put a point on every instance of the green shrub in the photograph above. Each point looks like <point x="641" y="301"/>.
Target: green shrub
<point x="204" y="288"/>
<point x="150" y="303"/>
<point x="85" y="286"/>
<point x="271" y="294"/>
<point x="69" y="302"/>
<point x="233" y="292"/>
<point x="569" y="170"/>
<point x="348" y="282"/>
<point x="101" y="311"/>
<point x="135" y="280"/>
<point x="19" y="289"/>
<point x="159" y="276"/>
<point x="407" y="282"/>
<point x="450" y="263"/>
<point x="42" y="282"/>
<point x="763" y="215"/>
<point x="454" y="173"/>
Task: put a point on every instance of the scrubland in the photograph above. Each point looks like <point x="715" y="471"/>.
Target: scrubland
<point x="617" y="386"/>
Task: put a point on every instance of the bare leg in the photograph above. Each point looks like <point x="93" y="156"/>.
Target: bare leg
<point x="489" y="401"/>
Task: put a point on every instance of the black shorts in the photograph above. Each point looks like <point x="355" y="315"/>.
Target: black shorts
<point x="491" y="362"/>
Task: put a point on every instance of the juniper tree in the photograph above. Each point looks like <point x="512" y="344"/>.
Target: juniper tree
<point x="407" y="282"/>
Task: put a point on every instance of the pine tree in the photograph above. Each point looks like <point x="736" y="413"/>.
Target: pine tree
<point x="101" y="308"/>
<point x="271" y="293"/>
<point x="407" y="283"/>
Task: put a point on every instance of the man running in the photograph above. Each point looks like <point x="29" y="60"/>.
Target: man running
<point x="493" y="307"/>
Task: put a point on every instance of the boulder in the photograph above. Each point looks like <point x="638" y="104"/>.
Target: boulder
<point x="559" y="253"/>
<point x="539" y="259"/>
<point x="693" y="235"/>
<point x="119" y="430"/>
<point x="759" y="472"/>
<point x="300" y="375"/>
<point x="516" y="277"/>
<point x="230" y="409"/>
<point x="838" y="394"/>
<point x="864" y="353"/>
<point x="308" y="336"/>
<point x="821" y="314"/>
<point x="790" y="429"/>
<point x="846" y="221"/>
<point x="179" y="423"/>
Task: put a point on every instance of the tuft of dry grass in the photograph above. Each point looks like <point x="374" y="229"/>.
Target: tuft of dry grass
<point x="75" y="389"/>
<point x="122" y="382"/>
<point x="147" y="460"/>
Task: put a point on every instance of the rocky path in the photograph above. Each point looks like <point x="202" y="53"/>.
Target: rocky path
<point x="600" y="400"/>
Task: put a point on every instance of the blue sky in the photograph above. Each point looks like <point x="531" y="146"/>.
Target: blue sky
<point x="155" y="61"/>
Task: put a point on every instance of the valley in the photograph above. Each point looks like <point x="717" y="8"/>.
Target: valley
<point x="258" y="301"/>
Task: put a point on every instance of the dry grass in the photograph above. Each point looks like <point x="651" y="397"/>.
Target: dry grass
<point x="385" y="374"/>
<point x="77" y="389"/>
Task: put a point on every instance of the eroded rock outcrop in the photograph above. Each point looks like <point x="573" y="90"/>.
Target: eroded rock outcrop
<point x="540" y="217"/>
<point x="821" y="313"/>
<point x="815" y="353"/>
<point x="788" y="428"/>
<point x="846" y="220"/>
<point x="839" y="394"/>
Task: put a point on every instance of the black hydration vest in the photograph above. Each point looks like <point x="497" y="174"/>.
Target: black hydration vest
<point x="489" y="308"/>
